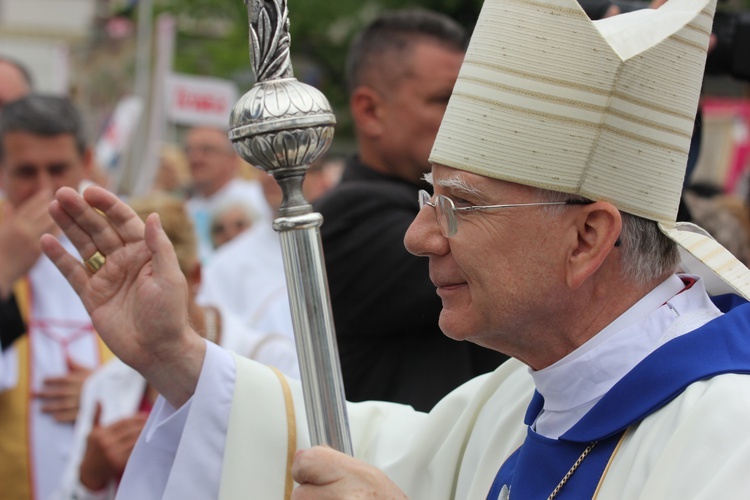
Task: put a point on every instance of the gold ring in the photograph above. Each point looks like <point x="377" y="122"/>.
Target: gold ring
<point x="95" y="262"/>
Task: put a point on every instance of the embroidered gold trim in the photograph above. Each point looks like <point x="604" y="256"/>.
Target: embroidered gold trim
<point x="291" y="432"/>
<point x="611" y="457"/>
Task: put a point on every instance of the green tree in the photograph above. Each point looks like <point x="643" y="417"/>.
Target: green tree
<point x="213" y="40"/>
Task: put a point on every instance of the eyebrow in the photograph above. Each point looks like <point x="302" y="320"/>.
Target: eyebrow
<point x="457" y="185"/>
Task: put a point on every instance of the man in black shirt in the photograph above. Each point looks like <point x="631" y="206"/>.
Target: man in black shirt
<point x="401" y="71"/>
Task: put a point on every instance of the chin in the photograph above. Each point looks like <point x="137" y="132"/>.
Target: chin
<point x="453" y="326"/>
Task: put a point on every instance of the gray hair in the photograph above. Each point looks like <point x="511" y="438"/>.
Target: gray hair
<point x="44" y="115"/>
<point x="647" y="253"/>
<point x="397" y="32"/>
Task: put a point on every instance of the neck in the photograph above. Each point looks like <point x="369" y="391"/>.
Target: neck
<point x="588" y="311"/>
<point x="370" y="155"/>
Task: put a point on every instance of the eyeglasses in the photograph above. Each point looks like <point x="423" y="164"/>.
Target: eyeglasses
<point x="445" y="210"/>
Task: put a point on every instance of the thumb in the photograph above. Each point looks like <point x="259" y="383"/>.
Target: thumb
<point x="318" y="465"/>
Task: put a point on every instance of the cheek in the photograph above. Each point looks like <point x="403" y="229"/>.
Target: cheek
<point x="20" y="184"/>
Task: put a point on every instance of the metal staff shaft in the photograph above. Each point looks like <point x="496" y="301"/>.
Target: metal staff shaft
<point x="312" y="318"/>
<point x="281" y="126"/>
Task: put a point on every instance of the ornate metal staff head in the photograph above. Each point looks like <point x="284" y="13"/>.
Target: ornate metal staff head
<point x="280" y="125"/>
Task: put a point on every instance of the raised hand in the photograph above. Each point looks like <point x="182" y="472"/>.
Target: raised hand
<point x="323" y="473"/>
<point x="138" y="299"/>
<point x="108" y="449"/>
<point x="20" y="229"/>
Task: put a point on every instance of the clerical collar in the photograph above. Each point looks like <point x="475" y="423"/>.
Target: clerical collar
<point x="572" y="385"/>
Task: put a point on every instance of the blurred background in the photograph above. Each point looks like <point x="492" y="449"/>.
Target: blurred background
<point x="142" y="71"/>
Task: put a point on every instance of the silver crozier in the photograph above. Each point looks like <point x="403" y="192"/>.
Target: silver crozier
<point x="281" y="126"/>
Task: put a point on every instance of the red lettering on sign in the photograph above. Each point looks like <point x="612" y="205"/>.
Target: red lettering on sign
<point x="201" y="102"/>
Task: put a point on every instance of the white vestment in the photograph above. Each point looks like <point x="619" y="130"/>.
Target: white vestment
<point x="119" y="390"/>
<point x="694" y="447"/>
<point x="246" y="276"/>
<point x="58" y="328"/>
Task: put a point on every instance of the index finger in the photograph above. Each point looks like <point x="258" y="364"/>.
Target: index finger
<point x="97" y="221"/>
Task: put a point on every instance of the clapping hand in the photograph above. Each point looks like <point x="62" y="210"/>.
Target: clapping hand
<point x="108" y="448"/>
<point x="20" y="230"/>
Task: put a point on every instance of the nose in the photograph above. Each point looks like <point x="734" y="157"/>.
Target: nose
<point x="424" y="238"/>
<point x="46" y="181"/>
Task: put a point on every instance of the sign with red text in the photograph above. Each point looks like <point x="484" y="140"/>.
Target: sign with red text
<point x="198" y="100"/>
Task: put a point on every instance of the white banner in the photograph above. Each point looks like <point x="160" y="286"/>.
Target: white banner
<point x="117" y="135"/>
<point x="198" y="100"/>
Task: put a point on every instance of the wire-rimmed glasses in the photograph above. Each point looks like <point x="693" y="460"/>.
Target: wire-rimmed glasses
<point x="445" y="209"/>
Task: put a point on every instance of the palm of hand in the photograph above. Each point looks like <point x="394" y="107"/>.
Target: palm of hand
<point x="138" y="300"/>
<point x="126" y="296"/>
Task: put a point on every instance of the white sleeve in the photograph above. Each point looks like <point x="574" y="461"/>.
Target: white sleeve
<point x="179" y="453"/>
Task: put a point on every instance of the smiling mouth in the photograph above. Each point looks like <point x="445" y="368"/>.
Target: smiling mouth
<point x="447" y="286"/>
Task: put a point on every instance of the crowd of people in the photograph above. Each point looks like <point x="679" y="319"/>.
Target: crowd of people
<point x="565" y="353"/>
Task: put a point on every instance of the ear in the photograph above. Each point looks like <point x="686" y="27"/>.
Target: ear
<point x="598" y="227"/>
<point x="366" y="105"/>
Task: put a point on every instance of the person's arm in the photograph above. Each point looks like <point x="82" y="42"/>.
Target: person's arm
<point x="186" y="442"/>
<point x="138" y="300"/>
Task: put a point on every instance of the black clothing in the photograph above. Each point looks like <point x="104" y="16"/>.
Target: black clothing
<point x="385" y="308"/>
<point x="11" y="322"/>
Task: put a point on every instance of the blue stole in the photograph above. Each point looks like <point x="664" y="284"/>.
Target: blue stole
<point x="537" y="467"/>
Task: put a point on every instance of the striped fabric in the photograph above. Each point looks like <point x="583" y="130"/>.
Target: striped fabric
<point x="603" y="109"/>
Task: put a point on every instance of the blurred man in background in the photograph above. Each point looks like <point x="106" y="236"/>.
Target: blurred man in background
<point x="48" y="343"/>
<point x="246" y="274"/>
<point x="215" y="168"/>
<point x="401" y="70"/>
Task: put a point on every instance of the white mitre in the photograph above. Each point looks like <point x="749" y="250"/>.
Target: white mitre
<point x="602" y="109"/>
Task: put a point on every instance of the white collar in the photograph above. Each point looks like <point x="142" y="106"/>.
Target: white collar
<point x="572" y="385"/>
